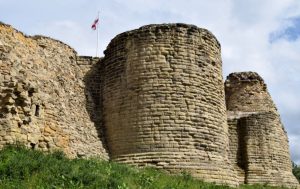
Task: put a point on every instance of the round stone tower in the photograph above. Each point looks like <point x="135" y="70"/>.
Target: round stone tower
<point x="258" y="142"/>
<point x="247" y="92"/>
<point x="164" y="103"/>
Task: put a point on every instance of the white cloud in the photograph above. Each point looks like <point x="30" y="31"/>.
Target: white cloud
<point x="294" y="147"/>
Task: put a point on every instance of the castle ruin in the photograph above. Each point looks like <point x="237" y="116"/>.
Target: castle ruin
<point x="157" y="98"/>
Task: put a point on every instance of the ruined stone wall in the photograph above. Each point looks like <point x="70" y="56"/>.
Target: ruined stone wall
<point x="268" y="159"/>
<point x="258" y="142"/>
<point x="155" y="99"/>
<point x="163" y="101"/>
<point x="42" y="100"/>
<point x="247" y="92"/>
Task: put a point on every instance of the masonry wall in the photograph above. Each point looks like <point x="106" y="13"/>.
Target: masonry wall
<point x="42" y="96"/>
<point x="237" y="149"/>
<point x="268" y="159"/>
<point x="258" y="142"/>
<point x="247" y="92"/>
<point x="155" y="99"/>
<point x="163" y="101"/>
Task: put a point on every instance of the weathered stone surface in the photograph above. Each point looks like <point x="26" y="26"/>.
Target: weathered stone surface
<point x="163" y="101"/>
<point x="258" y="142"/>
<point x="42" y="102"/>
<point x="155" y="99"/>
<point x="247" y="92"/>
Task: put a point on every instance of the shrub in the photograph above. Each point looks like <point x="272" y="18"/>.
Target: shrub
<point x="296" y="171"/>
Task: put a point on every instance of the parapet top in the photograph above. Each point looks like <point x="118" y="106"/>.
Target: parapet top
<point x="244" y="77"/>
<point x="37" y="37"/>
<point x="156" y="28"/>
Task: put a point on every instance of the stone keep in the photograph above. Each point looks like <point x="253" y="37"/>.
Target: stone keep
<point x="156" y="99"/>
<point x="163" y="101"/>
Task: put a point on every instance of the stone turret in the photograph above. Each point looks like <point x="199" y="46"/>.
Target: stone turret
<point x="163" y="101"/>
<point x="247" y="92"/>
<point x="258" y="142"/>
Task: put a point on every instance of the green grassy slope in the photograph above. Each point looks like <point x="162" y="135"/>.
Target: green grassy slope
<point x="22" y="168"/>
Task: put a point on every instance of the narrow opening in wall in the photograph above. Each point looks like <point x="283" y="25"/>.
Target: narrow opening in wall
<point x="37" y="110"/>
<point x="32" y="145"/>
<point x="30" y="93"/>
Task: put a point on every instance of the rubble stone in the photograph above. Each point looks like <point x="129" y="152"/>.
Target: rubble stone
<point x="41" y="101"/>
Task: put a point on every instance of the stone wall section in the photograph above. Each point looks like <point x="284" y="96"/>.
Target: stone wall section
<point x="258" y="142"/>
<point x="163" y="101"/>
<point x="237" y="152"/>
<point x="93" y="80"/>
<point x="156" y="99"/>
<point x="247" y="92"/>
<point x="42" y="89"/>
<point x="268" y="159"/>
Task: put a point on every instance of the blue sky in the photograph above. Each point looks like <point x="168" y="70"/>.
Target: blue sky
<point x="291" y="32"/>
<point x="256" y="35"/>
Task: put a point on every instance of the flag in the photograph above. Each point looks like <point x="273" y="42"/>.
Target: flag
<point x="94" y="26"/>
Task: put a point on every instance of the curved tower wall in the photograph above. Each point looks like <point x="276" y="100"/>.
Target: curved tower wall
<point x="247" y="92"/>
<point x="268" y="159"/>
<point x="163" y="101"/>
<point x="258" y="142"/>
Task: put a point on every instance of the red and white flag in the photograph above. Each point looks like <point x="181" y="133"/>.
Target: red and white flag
<point x="94" y="26"/>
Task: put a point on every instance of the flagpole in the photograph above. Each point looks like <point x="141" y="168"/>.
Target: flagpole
<point x="97" y="35"/>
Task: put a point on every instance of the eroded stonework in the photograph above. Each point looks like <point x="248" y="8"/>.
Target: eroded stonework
<point x="258" y="142"/>
<point x="163" y="99"/>
<point x="42" y="95"/>
<point x="157" y="98"/>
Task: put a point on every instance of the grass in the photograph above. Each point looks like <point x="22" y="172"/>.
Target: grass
<point x="296" y="171"/>
<point x="23" y="168"/>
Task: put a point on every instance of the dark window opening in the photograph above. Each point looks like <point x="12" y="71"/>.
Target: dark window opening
<point x="37" y="110"/>
<point x="32" y="145"/>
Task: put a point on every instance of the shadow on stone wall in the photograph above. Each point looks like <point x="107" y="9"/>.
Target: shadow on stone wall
<point x="242" y="148"/>
<point x="93" y="93"/>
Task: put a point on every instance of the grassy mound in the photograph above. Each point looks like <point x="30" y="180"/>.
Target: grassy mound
<point x="23" y="168"/>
